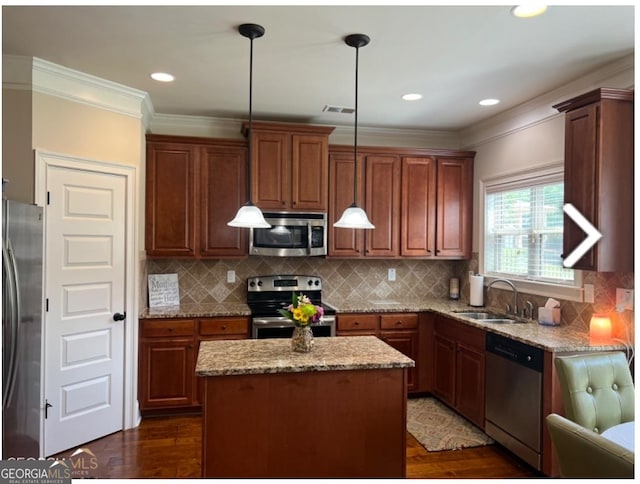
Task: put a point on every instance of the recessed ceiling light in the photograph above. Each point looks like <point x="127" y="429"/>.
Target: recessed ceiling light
<point x="529" y="9"/>
<point x="412" y="97"/>
<point x="162" y="77"/>
<point x="489" y="102"/>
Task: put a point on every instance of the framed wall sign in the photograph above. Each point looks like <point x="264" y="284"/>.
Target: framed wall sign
<point x="163" y="290"/>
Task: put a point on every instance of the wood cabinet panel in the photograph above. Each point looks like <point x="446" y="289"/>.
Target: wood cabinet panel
<point x="167" y="368"/>
<point x="271" y="165"/>
<point x="406" y="342"/>
<point x="168" y="352"/>
<point x="194" y="187"/>
<point x="343" y="242"/>
<point x="598" y="176"/>
<point x="170" y="200"/>
<point x="289" y="166"/>
<point x="382" y="201"/>
<point x="418" y="223"/>
<point x="453" y="221"/>
<point x="470" y="383"/>
<point x="357" y="322"/>
<point x="459" y="367"/>
<point x="223" y="188"/>
<point x="399" y="321"/>
<point x="419" y="200"/>
<point x="310" y="166"/>
<point x="224" y="327"/>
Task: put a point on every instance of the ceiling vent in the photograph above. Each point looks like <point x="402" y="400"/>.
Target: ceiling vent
<point x="337" y="109"/>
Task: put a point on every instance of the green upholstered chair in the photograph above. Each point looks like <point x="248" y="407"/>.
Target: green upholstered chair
<point x="598" y="393"/>
<point x="583" y="453"/>
<point x="597" y="389"/>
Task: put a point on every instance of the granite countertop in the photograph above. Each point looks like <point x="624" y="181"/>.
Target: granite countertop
<point x="205" y="310"/>
<point x="257" y="356"/>
<point x="557" y="339"/>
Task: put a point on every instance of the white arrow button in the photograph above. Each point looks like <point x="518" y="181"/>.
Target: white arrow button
<point x="593" y="235"/>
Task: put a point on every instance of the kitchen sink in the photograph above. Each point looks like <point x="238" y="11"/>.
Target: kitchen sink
<point x="486" y="317"/>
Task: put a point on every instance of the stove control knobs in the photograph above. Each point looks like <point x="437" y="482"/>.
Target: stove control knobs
<point x="310" y="282"/>
<point x="252" y="284"/>
<point x="259" y="283"/>
<point x="317" y="283"/>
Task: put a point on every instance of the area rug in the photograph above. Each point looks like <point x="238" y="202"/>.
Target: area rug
<point x="437" y="427"/>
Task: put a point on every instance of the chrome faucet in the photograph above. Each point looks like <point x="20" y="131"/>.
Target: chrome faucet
<point x="515" y="294"/>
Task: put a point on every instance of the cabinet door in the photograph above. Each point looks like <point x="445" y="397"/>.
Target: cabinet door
<point x="444" y="379"/>
<point x="406" y="342"/>
<point x="171" y="200"/>
<point x="223" y="188"/>
<point x="454" y="217"/>
<point x="271" y="166"/>
<point x="167" y="373"/>
<point x="470" y="383"/>
<point x="580" y="175"/>
<point x="310" y="172"/>
<point x="418" y="224"/>
<point x="343" y="242"/>
<point x="382" y="200"/>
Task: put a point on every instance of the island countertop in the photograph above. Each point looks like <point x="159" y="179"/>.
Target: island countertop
<point x="255" y="356"/>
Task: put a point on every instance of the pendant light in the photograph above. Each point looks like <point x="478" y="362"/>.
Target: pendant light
<point x="354" y="217"/>
<point x="250" y="216"/>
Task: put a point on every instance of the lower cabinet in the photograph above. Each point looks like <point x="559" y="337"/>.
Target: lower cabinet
<point x="168" y="351"/>
<point x="459" y="361"/>
<point x="398" y="330"/>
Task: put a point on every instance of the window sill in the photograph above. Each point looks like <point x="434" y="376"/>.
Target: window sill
<point x="556" y="291"/>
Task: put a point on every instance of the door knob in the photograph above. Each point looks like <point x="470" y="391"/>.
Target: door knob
<point x="119" y="316"/>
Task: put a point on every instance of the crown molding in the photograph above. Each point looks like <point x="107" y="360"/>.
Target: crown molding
<point x="38" y="75"/>
<point x="212" y="127"/>
<point x="617" y="74"/>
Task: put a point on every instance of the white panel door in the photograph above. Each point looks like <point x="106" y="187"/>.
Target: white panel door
<point x="85" y="286"/>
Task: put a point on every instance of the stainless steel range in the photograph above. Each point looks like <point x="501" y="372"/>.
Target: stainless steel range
<point x="267" y="294"/>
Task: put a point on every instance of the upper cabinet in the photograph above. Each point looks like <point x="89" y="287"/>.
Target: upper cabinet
<point x="194" y="186"/>
<point x="598" y="176"/>
<point x="420" y="202"/>
<point x="290" y="166"/>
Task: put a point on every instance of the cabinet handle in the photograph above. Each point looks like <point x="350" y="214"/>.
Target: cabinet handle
<point x="356" y="323"/>
<point x="190" y="347"/>
<point x="170" y="330"/>
<point x="224" y="328"/>
<point x="398" y="323"/>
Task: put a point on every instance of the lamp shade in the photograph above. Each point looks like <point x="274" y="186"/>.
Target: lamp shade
<point x="600" y="329"/>
<point x="249" y="216"/>
<point x="354" y="218"/>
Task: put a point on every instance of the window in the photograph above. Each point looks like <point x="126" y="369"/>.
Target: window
<point x="523" y="224"/>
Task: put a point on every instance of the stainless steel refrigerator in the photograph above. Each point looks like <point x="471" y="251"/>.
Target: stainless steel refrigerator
<point x="22" y="321"/>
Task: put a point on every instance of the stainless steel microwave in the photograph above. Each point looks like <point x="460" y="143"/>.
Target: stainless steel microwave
<point x="292" y="234"/>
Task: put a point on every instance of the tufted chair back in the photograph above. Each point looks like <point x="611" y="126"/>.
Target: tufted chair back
<point x="597" y="389"/>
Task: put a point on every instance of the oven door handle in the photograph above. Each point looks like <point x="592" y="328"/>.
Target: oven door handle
<point x="274" y="322"/>
<point x="309" y="238"/>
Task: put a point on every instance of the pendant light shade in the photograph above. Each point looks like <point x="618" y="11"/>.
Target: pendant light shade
<point x="355" y="217"/>
<point x="250" y="216"/>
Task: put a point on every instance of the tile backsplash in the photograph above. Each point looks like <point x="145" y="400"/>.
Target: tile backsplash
<point x="205" y="281"/>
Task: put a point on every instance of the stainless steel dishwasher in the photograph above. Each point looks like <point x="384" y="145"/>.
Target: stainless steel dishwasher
<point x="513" y="413"/>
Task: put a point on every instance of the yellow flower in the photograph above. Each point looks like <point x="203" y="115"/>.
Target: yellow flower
<point x="297" y="314"/>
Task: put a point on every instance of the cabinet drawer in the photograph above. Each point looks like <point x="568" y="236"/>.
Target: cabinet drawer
<point x="357" y="322"/>
<point x="224" y="326"/>
<point x="154" y="328"/>
<point x="399" y="321"/>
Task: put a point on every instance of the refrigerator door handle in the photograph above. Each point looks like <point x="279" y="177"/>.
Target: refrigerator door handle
<point x="13" y="308"/>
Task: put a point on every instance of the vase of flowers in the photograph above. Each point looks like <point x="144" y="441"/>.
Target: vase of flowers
<point x="303" y="313"/>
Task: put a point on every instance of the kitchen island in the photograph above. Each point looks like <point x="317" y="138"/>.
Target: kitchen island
<point x="338" y="411"/>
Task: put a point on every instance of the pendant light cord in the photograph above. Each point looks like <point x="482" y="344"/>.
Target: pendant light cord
<point x="355" y="139"/>
<point x="250" y="146"/>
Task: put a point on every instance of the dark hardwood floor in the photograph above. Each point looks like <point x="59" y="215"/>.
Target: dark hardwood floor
<point x="170" y="447"/>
